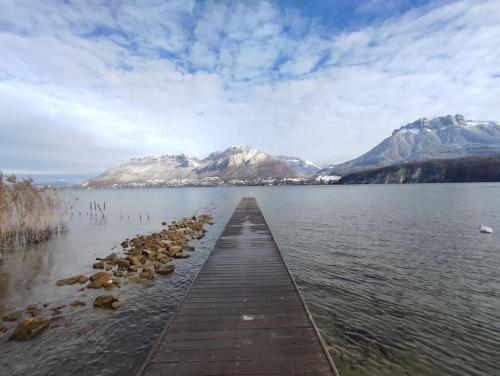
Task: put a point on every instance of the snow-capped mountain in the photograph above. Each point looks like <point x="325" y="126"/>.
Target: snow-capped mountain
<point x="243" y="162"/>
<point x="236" y="162"/>
<point x="300" y="166"/>
<point x="439" y="138"/>
<point x="151" y="169"/>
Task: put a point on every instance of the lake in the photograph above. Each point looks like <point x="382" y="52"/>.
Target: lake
<point x="398" y="278"/>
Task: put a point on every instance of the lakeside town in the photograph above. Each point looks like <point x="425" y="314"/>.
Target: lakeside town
<point x="214" y="181"/>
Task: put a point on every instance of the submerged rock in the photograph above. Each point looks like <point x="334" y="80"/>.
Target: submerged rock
<point x="77" y="303"/>
<point x="3" y="328"/>
<point x="13" y="316"/>
<point x="35" y="312"/>
<point x="105" y="301"/>
<point x="56" y="318"/>
<point x="98" y="265"/>
<point x="119" y="273"/>
<point x="147" y="274"/>
<point x="165" y="269"/>
<point x="30" y="328"/>
<point x="84" y="330"/>
<point x="56" y="311"/>
<point x="72" y="280"/>
<point x="132" y="278"/>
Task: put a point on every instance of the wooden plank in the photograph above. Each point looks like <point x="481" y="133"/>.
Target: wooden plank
<point x="232" y="343"/>
<point x="243" y="315"/>
<point x="291" y="365"/>
<point x="289" y="333"/>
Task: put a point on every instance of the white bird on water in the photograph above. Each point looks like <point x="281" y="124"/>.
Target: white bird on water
<point x="485" y="229"/>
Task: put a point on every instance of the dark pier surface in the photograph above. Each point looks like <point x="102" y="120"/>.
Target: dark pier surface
<point x="243" y="315"/>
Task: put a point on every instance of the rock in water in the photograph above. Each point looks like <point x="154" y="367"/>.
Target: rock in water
<point x="111" y="257"/>
<point x="147" y="274"/>
<point x="83" y="279"/>
<point x="35" y="312"/>
<point x="122" y="264"/>
<point x="132" y="278"/>
<point x="134" y="260"/>
<point x="105" y="301"/>
<point x="13" y="316"/>
<point x="71" y="280"/>
<point x="165" y="269"/>
<point x="174" y="250"/>
<point x="3" y="329"/>
<point x="119" y="273"/>
<point x="85" y="330"/>
<point x="30" y="328"/>
<point x="56" y="311"/>
<point x="100" y="279"/>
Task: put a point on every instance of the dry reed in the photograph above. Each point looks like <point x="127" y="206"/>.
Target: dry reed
<point x="27" y="214"/>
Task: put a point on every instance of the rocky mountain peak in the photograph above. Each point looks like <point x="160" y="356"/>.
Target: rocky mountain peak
<point x="449" y="136"/>
<point x="438" y="123"/>
<point x="235" y="162"/>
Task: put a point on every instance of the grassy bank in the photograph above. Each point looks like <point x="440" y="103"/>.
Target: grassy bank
<point x="27" y="214"/>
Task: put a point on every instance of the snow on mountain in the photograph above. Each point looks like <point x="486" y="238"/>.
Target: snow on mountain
<point x="300" y="166"/>
<point x="236" y="162"/>
<point x="243" y="162"/>
<point x="147" y="170"/>
<point x="439" y="138"/>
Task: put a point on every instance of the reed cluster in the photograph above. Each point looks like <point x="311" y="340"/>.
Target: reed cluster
<point x="27" y="214"/>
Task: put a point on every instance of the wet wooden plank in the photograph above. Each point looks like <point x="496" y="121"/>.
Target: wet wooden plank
<point x="263" y="366"/>
<point x="243" y="314"/>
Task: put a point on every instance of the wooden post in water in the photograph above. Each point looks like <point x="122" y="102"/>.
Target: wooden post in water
<point x="243" y="314"/>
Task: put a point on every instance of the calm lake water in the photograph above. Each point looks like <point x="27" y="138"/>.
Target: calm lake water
<point x="398" y="278"/>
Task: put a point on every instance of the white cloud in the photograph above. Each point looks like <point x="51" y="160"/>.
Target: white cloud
<point x="91" y="85"/>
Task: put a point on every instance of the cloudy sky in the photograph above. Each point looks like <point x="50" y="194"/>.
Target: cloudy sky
<point x="84" y="85"/>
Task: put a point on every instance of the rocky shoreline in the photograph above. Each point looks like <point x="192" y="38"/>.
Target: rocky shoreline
<point x="139" y="261"/>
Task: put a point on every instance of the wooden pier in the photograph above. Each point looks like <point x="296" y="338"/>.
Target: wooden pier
<point x="243" y="315"/>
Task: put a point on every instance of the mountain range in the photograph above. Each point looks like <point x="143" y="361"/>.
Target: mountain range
<point x="439" y="138"/>
<point x="236" y="162"/>
<point x="445" y="137"/>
